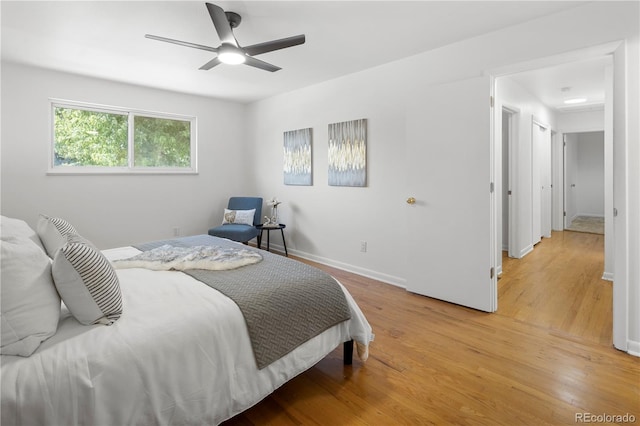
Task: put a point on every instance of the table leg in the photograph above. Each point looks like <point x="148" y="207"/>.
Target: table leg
<point x="284" y="243"/>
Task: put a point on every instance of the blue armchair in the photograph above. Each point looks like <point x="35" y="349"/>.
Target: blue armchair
<point x="238" y="231"/>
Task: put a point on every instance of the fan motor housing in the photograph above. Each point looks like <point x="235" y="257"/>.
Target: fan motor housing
<point x="233" y="18"/>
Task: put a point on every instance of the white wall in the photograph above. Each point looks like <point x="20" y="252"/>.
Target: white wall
<point x="115" y="210"/>
<point x="590" y="176"/>
<point x="327" y="223"/>
<point x="580" y="121"/>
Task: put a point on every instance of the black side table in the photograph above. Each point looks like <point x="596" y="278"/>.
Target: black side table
<point x="263" y="228"/>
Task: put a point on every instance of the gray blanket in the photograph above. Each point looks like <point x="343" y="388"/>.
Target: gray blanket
<point x="284" y="302"/>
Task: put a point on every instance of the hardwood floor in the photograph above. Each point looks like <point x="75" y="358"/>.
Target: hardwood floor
<point x="544" y="357"/>
<point x="559" y="286"/>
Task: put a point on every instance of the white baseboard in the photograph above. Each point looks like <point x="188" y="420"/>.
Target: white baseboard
<point x="607" y="276"/>
<point x="379" y="276"/>
<point x="590" y="215"/>
<point x="633" y="348"/>
<point x="525" y="251"/>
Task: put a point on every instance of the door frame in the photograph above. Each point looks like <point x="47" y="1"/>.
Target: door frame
<point x="565" y="181"/>
<point x="514" y="120"/>
<point x="616" y="50"/>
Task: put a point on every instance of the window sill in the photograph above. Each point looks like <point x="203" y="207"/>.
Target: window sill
<point x="130" y="172"/>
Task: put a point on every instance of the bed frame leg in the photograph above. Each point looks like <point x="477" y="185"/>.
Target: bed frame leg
<point x="348" y="352"/>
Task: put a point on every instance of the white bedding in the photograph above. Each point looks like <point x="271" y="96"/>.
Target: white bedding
<point x="180" y="354"/>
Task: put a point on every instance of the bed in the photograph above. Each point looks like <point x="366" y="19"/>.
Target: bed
<point x="178" y="352"/>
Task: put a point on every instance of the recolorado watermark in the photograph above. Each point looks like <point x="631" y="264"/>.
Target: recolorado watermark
<point x="604" y="418"/>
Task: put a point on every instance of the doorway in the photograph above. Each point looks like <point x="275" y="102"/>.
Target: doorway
<point x="533" y="189"/>
<point x="584" y="182"/>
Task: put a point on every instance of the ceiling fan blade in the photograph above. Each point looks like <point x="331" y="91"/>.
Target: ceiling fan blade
<point x="270" y="46"/>
<point x="223" y="28"/>
<point x="212" y="63"/>
<point x="261" y="64"/>
<point x="182" y="43"/>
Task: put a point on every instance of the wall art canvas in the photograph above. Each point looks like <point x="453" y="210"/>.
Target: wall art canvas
<point x="348" y="153"/>
<point x="297" y="157"/>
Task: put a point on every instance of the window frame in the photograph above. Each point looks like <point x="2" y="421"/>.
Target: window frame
<point x="131" y="113"/>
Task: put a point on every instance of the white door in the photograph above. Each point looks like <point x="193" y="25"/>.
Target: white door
<point x="537" y="136"/>
<point x="449" y="247"/>
<point x="510" y="124"/>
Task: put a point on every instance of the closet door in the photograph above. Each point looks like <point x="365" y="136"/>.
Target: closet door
<point x="449" y="247"/>
<point x="537" y="137"/>
<point x="545" y="185"/>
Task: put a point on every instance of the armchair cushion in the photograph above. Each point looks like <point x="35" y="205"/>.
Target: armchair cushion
<point x="235" y="232"/>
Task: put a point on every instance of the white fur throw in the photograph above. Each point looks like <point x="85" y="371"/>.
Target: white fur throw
<point x="168" y="258"/>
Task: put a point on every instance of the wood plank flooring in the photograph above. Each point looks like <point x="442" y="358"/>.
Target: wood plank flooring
<point x="543" y="358"/>
<point x="559" y="286"/>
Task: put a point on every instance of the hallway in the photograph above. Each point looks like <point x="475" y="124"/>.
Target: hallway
<point x="559" y="286"/>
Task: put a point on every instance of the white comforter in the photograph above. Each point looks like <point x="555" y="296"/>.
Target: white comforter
<point x="180" y="354"/>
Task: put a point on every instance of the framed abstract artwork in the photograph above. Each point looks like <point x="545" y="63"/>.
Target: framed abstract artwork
<point x="297" y="157"/>
<point x="348" y="153"/>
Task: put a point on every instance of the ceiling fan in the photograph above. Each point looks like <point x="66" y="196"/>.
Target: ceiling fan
<point x="230" y="52"/>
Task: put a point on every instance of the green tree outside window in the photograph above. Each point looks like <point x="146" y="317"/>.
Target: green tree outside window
<point x="160" y="142"/>
<point x="90" y="138"/>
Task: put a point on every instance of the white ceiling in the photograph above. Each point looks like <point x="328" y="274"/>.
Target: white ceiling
<point x="106" y="40"/>
<point x="581" y="79"/>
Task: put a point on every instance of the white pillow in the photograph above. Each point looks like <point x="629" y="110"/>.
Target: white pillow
<point x="29" y="302"/>
<point x="244" y="217"/>
<point x="87" y="283"/>
<point x="53" y="232"/>
<point x="10" y="227"/>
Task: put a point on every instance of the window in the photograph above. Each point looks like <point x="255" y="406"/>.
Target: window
<point x="97" y="139"/>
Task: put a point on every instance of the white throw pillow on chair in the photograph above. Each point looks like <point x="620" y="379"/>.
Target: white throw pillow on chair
<point x="243" y="217"/>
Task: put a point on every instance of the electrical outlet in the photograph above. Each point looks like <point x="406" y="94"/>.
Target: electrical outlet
<point x="176" y="232"/>
<point x="363" y="246"/>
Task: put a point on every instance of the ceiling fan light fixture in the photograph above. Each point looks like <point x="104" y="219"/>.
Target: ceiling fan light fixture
<point x="231" y="55"/>
<point x="230" y="52"/>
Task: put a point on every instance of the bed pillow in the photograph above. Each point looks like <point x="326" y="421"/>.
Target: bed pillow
<point x="87" y="283"/>
<point x="29" y="302"/>
<point x="244" y="217"/>
<point x="53" y="232"/>
<point x="10" y="228"/>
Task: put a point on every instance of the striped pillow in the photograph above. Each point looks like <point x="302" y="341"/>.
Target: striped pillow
<point x="87" y="283"/>
<point x="53" y="232"/>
